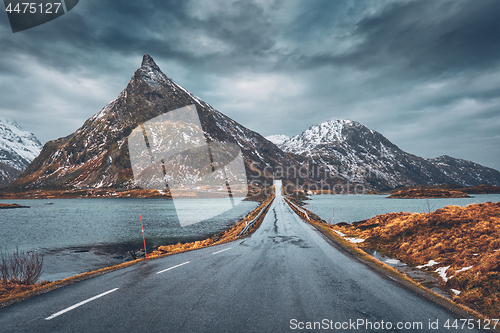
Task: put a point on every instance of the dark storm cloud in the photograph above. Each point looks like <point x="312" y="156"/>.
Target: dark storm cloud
<point x="238" y="34"/>
<point x="420" y="72"/>
<point x="97" y="26"/>
<point x="428" y="38"/>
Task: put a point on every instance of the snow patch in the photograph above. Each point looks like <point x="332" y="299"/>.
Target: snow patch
<point x="354" y="240"/>
<point x="277" y="139"/>
<point x="326" y="133"/>
<point x="463" y="269"/>
<point x="339" y="233"/>
<point x="429" y="264"/>
<point x="393" y="262"/>
<point x="442" y="273"/>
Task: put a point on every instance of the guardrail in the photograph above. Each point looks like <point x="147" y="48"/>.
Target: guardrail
<point x="299" y="209"/>
<point x="249" y="224"/>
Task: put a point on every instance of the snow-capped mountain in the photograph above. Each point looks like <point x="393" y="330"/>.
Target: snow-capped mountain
<point x="326" y="133"/>
<point x="97" y="154"/>
<point x="465" y="172"/>
<point x="18" y="148"/>
<point x="352" y="151"/>
<point x="277" y="139"/>
<point x="336" y="152"/>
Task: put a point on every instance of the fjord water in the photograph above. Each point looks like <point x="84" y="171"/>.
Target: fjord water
<point x="77" y="235"/>
<point x="353" y="208"/>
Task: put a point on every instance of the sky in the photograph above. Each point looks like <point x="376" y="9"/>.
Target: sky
<point x="424" y="73"/>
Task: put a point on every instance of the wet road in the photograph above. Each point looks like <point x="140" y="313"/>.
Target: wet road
<point x="283" y="278"/>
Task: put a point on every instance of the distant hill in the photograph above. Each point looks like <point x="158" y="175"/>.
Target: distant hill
<point x="18" y="148"/>
<point x="7" y="174"/>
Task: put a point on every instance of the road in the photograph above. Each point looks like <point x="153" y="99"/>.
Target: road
<point x="283" y="278"/>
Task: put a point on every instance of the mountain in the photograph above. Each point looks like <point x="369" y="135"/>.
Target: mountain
<point x="7" y="174"/>
<point x="352" y="151"/>
<point x="97" y="154"/>
<point x="18" y="148"/>
<point x="277" y="139"/>
<point x="467" y="173"/>
<point x="338" y="152"/>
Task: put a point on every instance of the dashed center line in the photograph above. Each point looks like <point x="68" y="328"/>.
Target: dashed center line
<point x="57" y="314"/>
<point x="80" y="304"/>
<point x="222" y="250"/>
<point x="187" y="262"/>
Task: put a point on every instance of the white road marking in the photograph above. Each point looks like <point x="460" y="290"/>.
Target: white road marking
<point x="79" y="304"/>
<point x="187" y="262"/>
<point x="221" y="250"/>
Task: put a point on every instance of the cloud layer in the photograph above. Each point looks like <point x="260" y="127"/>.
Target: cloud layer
<point x="426" y="73"/>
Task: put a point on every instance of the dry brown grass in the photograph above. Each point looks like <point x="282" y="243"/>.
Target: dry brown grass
<point x="460" y="310"/>
<point x="428" y="193"/>
<point x="9" y="289"/>
<point x="11" y="206"/>
<point x="91" y="193"/>
<point x="3" y="206"/>
<point x="12" y="292"/>
<point x="459" y="237"/>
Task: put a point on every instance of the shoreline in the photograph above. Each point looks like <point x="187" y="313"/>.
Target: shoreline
<point x="229" y="235"/>
<point x="12" y="206"/>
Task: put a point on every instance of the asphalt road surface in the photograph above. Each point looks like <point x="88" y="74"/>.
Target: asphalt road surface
<point x="284" y="278"/>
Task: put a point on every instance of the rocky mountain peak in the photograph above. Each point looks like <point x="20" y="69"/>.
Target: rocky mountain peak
<point x="330" y="132"/>
<point x="97" y="154"/>
<point x="151" y="73"/>
<point x="147" y="61"/>
<point x="365" y="156"/>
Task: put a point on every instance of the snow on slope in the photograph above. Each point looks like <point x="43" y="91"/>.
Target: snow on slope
<point x="18" y="147"/>
<point x="325" y="133"/>
<point x="362" y="155"/>
<point x="277" y="139"/>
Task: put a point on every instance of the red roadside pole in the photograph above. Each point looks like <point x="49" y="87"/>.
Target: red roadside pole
<point x="143" y="239"/>
<point x="333" y="220"/>
<point x="307" y="211"/>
